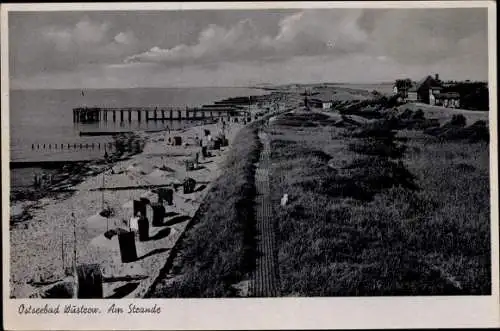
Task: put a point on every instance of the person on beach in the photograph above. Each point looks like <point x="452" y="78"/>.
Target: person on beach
<point x="43" y="179"/>
<point x="204" y="144"/>
<point x="196" y="160"/>
<point x="134" y="223"/>
<point x="36" y="180"/>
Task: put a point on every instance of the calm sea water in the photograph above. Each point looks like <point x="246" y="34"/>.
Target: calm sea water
<point x="46" y="117"/>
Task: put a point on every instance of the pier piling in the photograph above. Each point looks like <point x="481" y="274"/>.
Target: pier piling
<point x="97" y="114"/>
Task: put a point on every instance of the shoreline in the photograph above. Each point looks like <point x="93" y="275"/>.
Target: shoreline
<point x="79" y="169"/>
<point x="86" y="192"/>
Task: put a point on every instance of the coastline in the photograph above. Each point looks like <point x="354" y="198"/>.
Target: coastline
<point x="36" y="234"/>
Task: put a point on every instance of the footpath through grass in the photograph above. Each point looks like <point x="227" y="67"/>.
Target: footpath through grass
<point x="372" y="212"/>
<point x="219" y="250"/>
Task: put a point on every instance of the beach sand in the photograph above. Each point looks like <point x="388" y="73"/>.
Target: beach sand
<point x="37" y="245"/>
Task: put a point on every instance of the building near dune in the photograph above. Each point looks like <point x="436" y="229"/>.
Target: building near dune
<point x="425" y="90"/>
<point x="448" y="99"/>
<point x="323" y="100"/>
<point x="428" y="90"/>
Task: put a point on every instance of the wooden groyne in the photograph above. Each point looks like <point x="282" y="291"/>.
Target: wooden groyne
<point x="140" y="114"/>
<point x="74" y="146"/>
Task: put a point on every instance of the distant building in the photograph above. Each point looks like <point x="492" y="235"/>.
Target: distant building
<point x="426" y="90"/>
<point x="448" y="99"/>
<point x="323" y="100"/>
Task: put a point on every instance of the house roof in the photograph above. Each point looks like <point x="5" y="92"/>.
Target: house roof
<point x="323" y="97"/>
<point x="421" y="82"/>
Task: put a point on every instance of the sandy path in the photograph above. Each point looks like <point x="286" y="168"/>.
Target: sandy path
<point x="36" y="246"/>
<point x="265" y="282"/>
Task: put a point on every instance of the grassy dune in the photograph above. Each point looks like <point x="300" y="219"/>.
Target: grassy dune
<point x="365" y="219"/>
<point x="219" y="250"/>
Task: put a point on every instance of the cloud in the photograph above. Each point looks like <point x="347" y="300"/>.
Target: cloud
<point x="84" y="33"/>
<point x="419" y="36"/>
<point x="126" y="38"/>
<point x="214" y="43"/>
<point x="306" y="46"/>
<point x="303" y="33"/>
<point x="90" y="40"/>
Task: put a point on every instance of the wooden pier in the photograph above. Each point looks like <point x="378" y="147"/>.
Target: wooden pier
<point x="104" y="114"/>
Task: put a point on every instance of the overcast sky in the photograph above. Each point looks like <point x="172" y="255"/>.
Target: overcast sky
<point x="226" y="48"/>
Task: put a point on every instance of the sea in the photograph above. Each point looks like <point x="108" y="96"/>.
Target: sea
<point x="39" y="117"/>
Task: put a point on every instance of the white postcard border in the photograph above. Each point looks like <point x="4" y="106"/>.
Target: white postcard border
<point x="283" y="313"/>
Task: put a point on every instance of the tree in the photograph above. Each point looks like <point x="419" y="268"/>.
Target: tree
<point x="403" y="84"/>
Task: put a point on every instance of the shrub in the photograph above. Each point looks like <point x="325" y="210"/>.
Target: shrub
<point x="378" y="147"/>
<point x="406" y="114"/>
<point x="476" y="132"/>
<point x="458" y="120"/>
<point x="381" y="129"/>
<point x="419" y="115"/>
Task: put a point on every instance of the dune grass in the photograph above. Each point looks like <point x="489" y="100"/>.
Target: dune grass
<point x="366" y="217"/>
<point x="219" y="250"/>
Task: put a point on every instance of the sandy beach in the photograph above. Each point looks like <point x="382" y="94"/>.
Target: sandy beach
<point x="38" y="245"/>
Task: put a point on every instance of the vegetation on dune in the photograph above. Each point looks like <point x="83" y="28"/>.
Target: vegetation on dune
<point x="370" y="211"/>
<point x="304" y="120"/>
<point x="456" y="129"/>
<point x="380" y="217"/>
<point x="219" y="249"/>
<point x="384" y="147"/>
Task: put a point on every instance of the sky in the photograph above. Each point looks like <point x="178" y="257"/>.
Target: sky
<point x="112" y="49"/>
